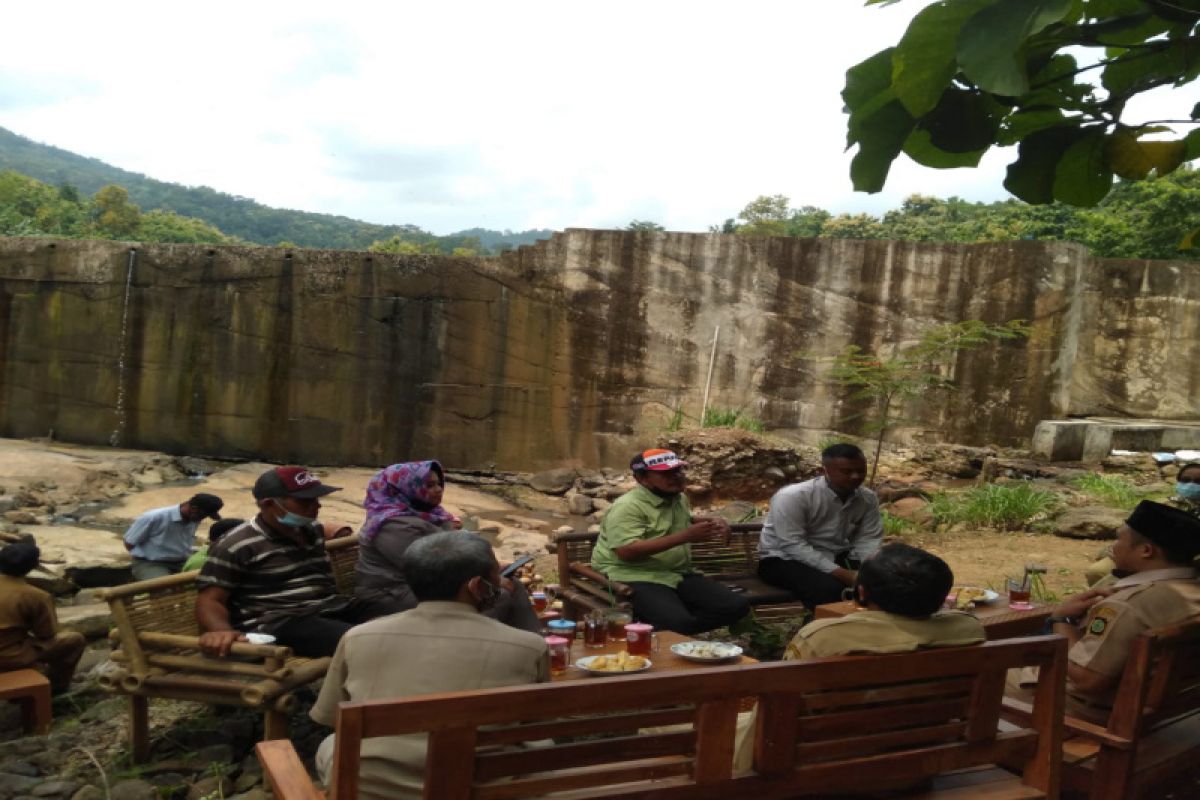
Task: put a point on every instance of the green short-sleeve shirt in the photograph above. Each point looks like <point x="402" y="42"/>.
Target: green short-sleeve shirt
<point x="641" y="514"/>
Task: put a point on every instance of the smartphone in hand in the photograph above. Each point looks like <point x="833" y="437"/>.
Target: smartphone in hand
<point x="512" y="568"/>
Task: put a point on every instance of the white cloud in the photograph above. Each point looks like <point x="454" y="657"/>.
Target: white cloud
<point x="456" y="114"/>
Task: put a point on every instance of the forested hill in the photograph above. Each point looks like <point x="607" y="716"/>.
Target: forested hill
<point x="235" y="216"/>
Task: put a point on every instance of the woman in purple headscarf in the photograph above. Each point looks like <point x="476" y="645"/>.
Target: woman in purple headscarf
<point x="404" y="503"/>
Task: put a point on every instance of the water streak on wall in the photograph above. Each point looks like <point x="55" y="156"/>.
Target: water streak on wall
<point x="577" y="349"/>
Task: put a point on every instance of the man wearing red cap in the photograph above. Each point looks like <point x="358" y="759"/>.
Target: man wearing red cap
<point x="271" y="576"/>
<point x="1157" y="585"/>
<point x="645" y="542"/>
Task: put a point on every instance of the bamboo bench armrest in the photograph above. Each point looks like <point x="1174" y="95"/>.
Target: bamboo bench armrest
<point x="585" y="571"/>
<point x="576" y="536"/>
<point x="289" y="780"/>
<point x="1022" y="711"/>
<point x="172" y="641"/>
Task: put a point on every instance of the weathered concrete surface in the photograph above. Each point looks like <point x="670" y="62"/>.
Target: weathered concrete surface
<point x="577" y="349"/>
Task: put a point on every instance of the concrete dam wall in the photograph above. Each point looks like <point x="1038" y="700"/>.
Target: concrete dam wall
<point x="577" y="349"/>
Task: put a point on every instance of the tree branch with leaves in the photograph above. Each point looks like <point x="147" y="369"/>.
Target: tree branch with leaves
<point x="887" y="382"/>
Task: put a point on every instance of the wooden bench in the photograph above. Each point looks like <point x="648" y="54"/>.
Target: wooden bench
<point x="29" y="689"/>
<point x="1153" y="733"/>
<point x="158" y="653"/>
<point x="926" y="721"/>
<point x="734" y="564"/>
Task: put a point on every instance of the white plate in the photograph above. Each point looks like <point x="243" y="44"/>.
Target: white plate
<point x="989" y="596"/>
<point x="706" y="651"/>
<point x="585" y="663"/>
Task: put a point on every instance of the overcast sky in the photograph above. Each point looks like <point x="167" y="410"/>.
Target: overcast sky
<point x="456" y="114"/>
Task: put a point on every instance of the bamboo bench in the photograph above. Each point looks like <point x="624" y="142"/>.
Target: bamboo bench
<point x="920" y="724"/>
<point x="158" y="654"/>
<point x="1153" y="733"/>
<point x="734" y="564"/>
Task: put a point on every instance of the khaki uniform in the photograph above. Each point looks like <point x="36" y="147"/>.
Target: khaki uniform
<point x="435" y="647"/>
<point x="881" y="632"/>
<point x="29" y="633"/>
<point x="1142" y="601"/>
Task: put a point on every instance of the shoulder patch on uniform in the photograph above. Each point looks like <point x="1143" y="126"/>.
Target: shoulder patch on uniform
<point x="1101" y="620"/>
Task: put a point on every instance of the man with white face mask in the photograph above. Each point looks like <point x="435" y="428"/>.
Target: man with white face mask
<point x="271" y="576"/>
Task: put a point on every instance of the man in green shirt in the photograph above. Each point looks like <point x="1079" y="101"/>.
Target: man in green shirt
<point x="645" y="542"/>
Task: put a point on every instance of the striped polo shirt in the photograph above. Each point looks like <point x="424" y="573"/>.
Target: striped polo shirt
<point x="269" y="577"/>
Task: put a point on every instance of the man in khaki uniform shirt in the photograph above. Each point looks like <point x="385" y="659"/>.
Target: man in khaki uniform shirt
<point x="29" y="634"/>
<point x="1157" y="585"/>
<point x="442" y="645"/>
<point x="903" y="589"/>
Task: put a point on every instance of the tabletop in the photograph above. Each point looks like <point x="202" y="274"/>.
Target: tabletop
<point x="662" y="661"/>
<point x="999" y="621"/>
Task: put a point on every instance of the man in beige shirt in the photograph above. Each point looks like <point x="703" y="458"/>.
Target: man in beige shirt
<point x="444" y="644"/>
<point x="1156" y="586"/>
<point x="902" y="589"/>
<point x="29" y="635"/>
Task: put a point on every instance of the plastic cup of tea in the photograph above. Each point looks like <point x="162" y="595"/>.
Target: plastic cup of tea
<point x="617" y="620"/>
<point x="560" y="654"/>
<point x="638" y="638"/>
<point x="595" y="630"/>
<point x="562" y="627"/>
<point x="539" y="601"/>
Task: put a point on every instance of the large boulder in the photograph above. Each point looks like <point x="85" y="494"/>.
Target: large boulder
<point x="1089" y="522"/>
<point x="553" y="481"/>
<point x="732" y="464"/>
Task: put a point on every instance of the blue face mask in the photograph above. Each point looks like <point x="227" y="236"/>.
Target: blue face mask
<point x="1188" y="491"/>
<point x="292" y="519"/>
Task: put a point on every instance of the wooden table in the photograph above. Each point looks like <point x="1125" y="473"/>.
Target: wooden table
<point x="999" y="621"/>
<point x="662" y="661"/>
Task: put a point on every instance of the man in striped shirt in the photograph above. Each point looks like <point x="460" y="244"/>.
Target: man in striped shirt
<point x="271" y="576"/>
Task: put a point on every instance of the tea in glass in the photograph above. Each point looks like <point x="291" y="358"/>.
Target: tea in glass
<point x="617" y="620"/>
<point x="560" y="654"/>
<point x="637" y="638"/>
<point x="595" y="630"/>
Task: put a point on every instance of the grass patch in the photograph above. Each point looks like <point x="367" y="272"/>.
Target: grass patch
<point x="731" y="418"/>
<point x="1007" y="508"/>
<point x="675" y="423"/>
<point x="1112" y="490"/>
<point x="897" y="526"/>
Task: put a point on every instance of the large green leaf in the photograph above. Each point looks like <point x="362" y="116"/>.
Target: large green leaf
<point x="963" y="121"/>
<point x="1031" y="176"/>
<point x="924" y="61"/>
<point x="1134" y="159"/>
<point x="991" y="43"/>
<point x="1019" y="125"/>
<point x="881" y="137"/>
<point x="920" y="149"/>
<point x="1083" y="176"/>
<point x="1192" y="140"/>
<point x="868" y="88"/>
<point x="1153" y="65"/>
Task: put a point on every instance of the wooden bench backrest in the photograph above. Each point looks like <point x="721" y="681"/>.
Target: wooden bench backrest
<point x="838" y="723"/>
<point x="738" y="557"/>
<point x="1161" y="681"/>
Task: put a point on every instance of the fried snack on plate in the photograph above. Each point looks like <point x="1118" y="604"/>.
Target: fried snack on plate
<point x="967" y="595"/>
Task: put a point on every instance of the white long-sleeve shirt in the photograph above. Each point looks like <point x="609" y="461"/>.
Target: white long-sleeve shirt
<point x="810" y="524"/>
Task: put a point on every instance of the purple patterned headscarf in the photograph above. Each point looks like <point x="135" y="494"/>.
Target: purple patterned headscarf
<point x="391" y="494"/>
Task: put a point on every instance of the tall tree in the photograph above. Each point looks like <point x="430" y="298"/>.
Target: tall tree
<point x="1052" y="76"/>
<point x="113" y="216"/>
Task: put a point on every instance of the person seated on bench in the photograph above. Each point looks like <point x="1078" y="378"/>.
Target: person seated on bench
<point x="271" y="574"/>
<point x="1157" y="585"/>
<point x="645" y="542"/>
<point x="817" y="532"/>
<point x="903" y="589"/>
<point x="445" y="644"/>
<point x="404" y="504"/>
<point x="215" y="532"/>
<point x="29" y="634"/>
<point x="1186" y="498"/>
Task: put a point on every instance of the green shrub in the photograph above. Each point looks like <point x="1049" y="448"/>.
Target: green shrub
<point x="897" y="526"/>
<point x="676" y="421"/>
<point x="1112" y="490"/>
<point x="992" y="505"/>
<point x="730" y="418"/>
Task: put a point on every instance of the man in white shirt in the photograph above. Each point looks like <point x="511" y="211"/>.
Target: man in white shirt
<point x="161" y="540"/>
<point x="817" y="532"/>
